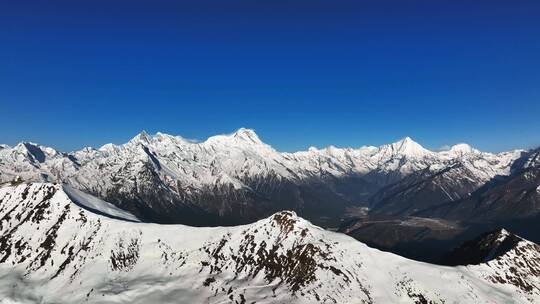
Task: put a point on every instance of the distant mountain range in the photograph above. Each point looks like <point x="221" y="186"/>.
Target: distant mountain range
<point x="237" y="178"/>
<point x="61" y="245"/>
<point x="385" y="196"/>
<point x="511" y="201"/>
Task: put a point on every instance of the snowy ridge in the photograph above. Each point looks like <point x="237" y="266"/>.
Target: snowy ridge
<point x="237" y="150"/>
<point x="238" y="175"/>
<point x="55" y="251"/>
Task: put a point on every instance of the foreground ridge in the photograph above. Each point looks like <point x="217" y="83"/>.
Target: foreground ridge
<point x="55" y="250"/>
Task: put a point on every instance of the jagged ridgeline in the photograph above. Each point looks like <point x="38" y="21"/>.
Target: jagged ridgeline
<point x="60" y="245"/>
<point x="236" y="178"/>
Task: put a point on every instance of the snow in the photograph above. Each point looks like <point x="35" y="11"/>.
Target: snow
<point x="97" y="205"/>
<point x="107" y="260"/>
<point x="233" y="152"/>
<point x="232" y="159"/>
<point x="405" y="147"/>
<point x="503" y="234"/>
<point x="225" y="161"/>
<point x="463" y="148"/>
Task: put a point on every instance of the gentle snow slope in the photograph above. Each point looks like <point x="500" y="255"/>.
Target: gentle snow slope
<point x="97" y="205"/>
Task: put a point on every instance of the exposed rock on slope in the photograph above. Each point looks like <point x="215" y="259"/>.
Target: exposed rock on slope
<point x="53" y="250"/>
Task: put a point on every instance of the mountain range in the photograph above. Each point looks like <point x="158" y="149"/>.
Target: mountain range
<point x="386" y="196"/>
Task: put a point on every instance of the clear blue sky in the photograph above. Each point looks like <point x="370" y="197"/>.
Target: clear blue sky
<point x="301" y="73"/>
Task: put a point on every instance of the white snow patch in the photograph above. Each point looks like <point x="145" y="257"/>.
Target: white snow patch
<point x="94" y="204"/>
<point x="503" y="235"/>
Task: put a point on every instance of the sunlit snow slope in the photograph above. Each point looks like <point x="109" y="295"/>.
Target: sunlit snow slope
<point x="55" y="250"/>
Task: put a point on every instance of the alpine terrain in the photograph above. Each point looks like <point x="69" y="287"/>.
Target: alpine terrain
<point x="399" y="197"/>
<point x="237" y="178"/>
<point x="60" y="245"/>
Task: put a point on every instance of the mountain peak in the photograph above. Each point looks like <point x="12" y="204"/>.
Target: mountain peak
<point x="462" y="148"/>
<point x="247" y="135"/>
<point x="142" y="137"/>
<point x="407" y="141"/>
<point x="164" y="137"/>
<point x="35" y="152"/>
<point x="406" y="146"/>
<point x="243" y="137"/>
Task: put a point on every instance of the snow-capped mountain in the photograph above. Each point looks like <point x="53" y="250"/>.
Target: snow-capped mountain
<point x="61" y="245"/>
<point x="514" y="196"/>
<point x="405" y="220"/>
<point x="236" y="178"/>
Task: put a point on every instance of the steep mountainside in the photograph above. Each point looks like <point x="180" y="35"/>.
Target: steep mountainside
<point x="54" y="249"/>
<point x="468" y="171"/>
<point x="483" y="249"/>
<point x="514" y="197"/>
<point x="404" y="218"/>
<point x="236" y="178"/>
